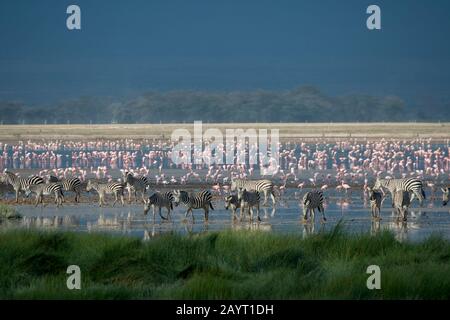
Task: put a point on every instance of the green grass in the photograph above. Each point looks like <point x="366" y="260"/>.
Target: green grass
<point x="7" y="212"/>
<point x="224" y="265"/>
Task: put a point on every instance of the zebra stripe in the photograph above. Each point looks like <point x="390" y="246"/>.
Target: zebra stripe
<point x="160" y="200"/>
<point x="69" y="184"/>
<point x="200" y="200"/>
<point x="20" y="184"/>
<point x="311" y="201"/>
<point x="115" y="188"/>
<point x="412" y="185"/>
<point x="138" y="183"/>
<point x="232" y="202"/>
<point x="375" y="199"/>
<point x="42" y="190"/>
<point x="401" y="203"/>
<point x="249" y="200"/>
<point x="264" y="186"/>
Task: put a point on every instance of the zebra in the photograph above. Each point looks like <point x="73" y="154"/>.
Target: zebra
<point x="375" y="198"/>
<point x="200" y="200"/>
<point x="46" y="189"/>
<point x="412" y="185"/>
<point x="401" y="203"/>
<point x="103" y="189"/>
<point x="263" y="186"/>
<point x="159" y="200"/>
<point x="311" y="201"/>
<point x="20" y="184"/>
<point x="69" y="184"/>
<point x="445" y="196"/>
<point x="138" y="183"/>
<point x="232" y="202"/>
<point x="249" y="200"/>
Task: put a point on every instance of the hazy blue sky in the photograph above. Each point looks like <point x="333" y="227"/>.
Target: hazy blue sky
<point x="127" y="47"/>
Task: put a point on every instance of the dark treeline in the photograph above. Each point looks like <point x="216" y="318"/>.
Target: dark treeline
<point x="303" y="104"/>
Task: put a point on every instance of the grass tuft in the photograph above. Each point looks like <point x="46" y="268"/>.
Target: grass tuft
<point x="222" y="265"/>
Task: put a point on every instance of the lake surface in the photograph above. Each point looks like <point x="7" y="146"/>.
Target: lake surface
<point x="351" y="209"/>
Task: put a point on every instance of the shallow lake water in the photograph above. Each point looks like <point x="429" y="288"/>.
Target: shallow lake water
<point x="351" y="209"/>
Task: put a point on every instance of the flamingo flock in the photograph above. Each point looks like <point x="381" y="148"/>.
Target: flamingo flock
<point x="318" y="162"/>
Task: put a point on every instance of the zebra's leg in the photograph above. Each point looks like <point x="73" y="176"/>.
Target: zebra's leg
<point x="37" y="200"/>
<point x="257" y="212"/>
<point x="404" y="213"/>
<point x="121" y="199"/>
<point x="129" y="193"/>
<point x="116" y="198"/>
<point x="305" y="215"/>
<point x="99" y="200"/>
<point x="206" y="213"/>
<point x="272" y="195"/>
<point x="169" y="217"/>
<point x="17" y="195"/>
<point x="241" y="211"/>
<point x="154" y="213"/>
<point x="413" y="195"/>
<point x="265" y="198"/>
<point x="321" y="209"/>
<point x="313" y="215"/>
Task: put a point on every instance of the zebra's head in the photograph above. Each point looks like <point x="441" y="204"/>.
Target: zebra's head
<point x="6" y="176"/>
<point x="90" y="185"/>
<point x="148" y="203"/>
<point x="179" y="196"/>
<point x="445" y="195"/>
<point x="306" y="202"/>
<point x="228" y="201"/>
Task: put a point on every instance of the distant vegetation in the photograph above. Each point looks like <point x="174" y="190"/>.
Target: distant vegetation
<point x="225" y="265"/>
<point x="298" y="105"/>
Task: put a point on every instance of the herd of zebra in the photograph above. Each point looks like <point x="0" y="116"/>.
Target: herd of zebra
<point x="245" y="195"/>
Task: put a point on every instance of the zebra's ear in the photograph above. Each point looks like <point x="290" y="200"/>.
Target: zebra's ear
<point x="444" y="190"/>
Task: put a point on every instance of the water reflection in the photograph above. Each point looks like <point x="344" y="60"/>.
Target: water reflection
<point x="285" y="218"/>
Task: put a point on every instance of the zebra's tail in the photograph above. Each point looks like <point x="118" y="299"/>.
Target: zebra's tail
<point x="211" y="206"/>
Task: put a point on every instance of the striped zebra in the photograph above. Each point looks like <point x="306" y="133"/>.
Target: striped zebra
<point x="445" y="196"/>
<point x="311" y="201"/>
<point x="375" y="199"/>
<point x="263" y="186"/>
<point x="413" y="185"/>
<point x="248" y="200"/>
<point x="138" y="183"/>
<point x="402" y="202"/>
<point x="232" y="203"/>
<point x="69" y="184"/>
<point x="200" y="200"/>
<point x="20" y="184"/>
<point x="159" y="200"/>
<point x="46" y="189"/>
<point x="115" y="188"/>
